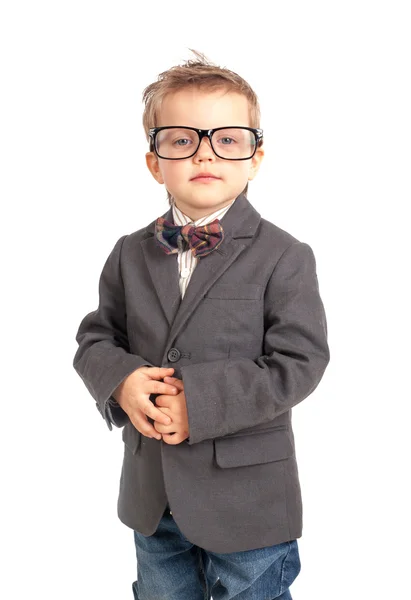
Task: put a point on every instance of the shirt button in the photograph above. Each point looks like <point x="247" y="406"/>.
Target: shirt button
<point x="185" y="272"/>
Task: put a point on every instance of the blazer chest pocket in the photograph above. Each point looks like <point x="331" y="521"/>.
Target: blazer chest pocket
<point x="131" y="437"/>
<point x="253" y="448"/>
<point x="229" y="291"/>
<point x="235" y="313"/>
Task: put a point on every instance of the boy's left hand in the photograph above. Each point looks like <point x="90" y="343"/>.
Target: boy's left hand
<point x="176" y="408"/>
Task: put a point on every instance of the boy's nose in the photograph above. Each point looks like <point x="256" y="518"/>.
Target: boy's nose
<point x="204" y="150"/>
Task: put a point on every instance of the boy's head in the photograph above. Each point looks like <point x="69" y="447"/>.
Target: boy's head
<point x="201" y="95"/>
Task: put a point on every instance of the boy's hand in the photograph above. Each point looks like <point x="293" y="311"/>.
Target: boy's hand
<point x="176" y="408"/>
<point x="133" y="396"/>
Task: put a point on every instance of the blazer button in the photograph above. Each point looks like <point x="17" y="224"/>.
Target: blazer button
<point x="173" y="355"/>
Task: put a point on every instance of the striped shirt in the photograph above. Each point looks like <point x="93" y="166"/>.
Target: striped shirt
<point x="186" y="261"/>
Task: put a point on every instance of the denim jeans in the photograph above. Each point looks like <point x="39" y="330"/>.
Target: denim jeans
<point x="169" y="567"/>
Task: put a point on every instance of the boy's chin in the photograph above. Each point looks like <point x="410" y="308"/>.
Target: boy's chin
<point x="198" y="199"/>
<point x="203" y="197"/>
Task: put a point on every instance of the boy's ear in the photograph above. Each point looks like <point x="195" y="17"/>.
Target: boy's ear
<point x="154" y="167"/>
<point x="255" y="163"/>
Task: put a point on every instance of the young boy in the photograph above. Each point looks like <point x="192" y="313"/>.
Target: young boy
<point x="210" y="329"/>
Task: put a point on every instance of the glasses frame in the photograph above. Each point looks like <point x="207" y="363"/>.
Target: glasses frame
<point x="258" y="134"/>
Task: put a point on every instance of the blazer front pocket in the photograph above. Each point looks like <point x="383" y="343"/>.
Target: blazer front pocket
<point x="131" y="437"/>
<point x="253" y="448"/>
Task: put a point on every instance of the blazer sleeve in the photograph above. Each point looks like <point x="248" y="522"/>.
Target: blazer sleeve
<point x="228" y="395"/>
<point x="103" y="359"/>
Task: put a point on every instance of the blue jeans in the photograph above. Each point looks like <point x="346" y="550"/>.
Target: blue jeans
<point x="169" y="567"/>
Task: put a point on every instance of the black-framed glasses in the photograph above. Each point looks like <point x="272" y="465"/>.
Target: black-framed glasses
<point x="231" y="143"/>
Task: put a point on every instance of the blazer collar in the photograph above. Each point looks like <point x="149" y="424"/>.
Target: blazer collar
<point x="239" y="222"/>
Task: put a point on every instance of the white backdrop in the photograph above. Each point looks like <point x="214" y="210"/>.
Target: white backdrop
<point x="333" y="79"/>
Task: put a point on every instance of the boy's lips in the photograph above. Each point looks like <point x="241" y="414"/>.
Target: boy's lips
<point x="204" y="177"/>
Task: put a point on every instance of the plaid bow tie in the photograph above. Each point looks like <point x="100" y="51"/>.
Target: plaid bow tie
<point x="202" y="239"/>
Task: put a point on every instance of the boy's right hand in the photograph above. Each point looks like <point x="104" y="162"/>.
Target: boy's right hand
<point x="133" y="396"/>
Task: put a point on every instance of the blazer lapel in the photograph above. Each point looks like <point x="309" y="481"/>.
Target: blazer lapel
<point x="239" y="222"/>
<point x="163" y="269"/>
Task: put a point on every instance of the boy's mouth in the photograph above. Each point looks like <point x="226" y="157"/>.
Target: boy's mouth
<point x="204" y="177"/>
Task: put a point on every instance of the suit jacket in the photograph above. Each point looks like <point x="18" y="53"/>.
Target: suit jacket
<point x="249" y="341"/>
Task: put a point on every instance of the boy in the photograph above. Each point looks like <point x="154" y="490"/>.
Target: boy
<point x="210" y="328"/>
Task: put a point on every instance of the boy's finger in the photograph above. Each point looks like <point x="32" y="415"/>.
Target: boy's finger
<point x="171" y="379"/>
<point x="157" y="415"/>
<point x="158" y="372"/>
<point x="175" y="381"/>
<point x="145" y="428"/>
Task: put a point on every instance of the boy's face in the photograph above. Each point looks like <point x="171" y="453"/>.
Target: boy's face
<point x="204" y="110"/>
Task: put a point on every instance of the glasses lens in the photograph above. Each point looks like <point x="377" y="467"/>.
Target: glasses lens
<point x="176" y="143"/>
<point x="233" y="142"/>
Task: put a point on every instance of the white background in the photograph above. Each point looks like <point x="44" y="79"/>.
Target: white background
<point x="333" y="79"/>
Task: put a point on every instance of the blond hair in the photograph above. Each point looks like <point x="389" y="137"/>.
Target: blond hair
<point x="202" y="74"/>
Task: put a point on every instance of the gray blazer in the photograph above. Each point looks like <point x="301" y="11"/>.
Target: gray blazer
<point x="249" y="341"/>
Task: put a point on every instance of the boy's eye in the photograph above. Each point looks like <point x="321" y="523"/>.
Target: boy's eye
<point x="226" y="141"/>
<point x="182" y="142"/>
